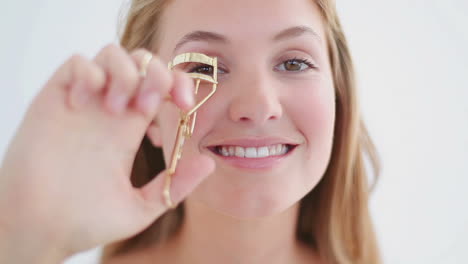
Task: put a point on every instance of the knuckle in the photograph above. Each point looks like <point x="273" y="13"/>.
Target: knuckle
<point x="78" y="66"/>
<point x="140" y="51"/>
<point x="97" y="76"/>
<point x="77" y="61"/>
<point x="164" y="76"/>
<point x="111" y="49"/>
<point x="129" y="81"/>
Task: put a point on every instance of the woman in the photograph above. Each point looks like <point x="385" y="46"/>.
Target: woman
<point x="285" y="79"/>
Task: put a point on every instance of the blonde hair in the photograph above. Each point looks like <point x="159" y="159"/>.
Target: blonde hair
<point x="334" y="217"/>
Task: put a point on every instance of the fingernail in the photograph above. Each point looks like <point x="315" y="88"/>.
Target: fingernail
<point x="149" y="101"/>
<point x="118" y="102"/>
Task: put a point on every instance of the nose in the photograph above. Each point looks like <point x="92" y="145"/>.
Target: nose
<point x="255" y="101"/>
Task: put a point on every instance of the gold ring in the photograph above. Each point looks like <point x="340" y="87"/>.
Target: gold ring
<point x="144" y="64"/>
<point x="167" y="193"/>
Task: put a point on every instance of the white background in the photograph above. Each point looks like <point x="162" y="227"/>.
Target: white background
<point x="411" y="58"/>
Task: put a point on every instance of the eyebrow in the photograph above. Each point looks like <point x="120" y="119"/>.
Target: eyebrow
<point x="218" y="38"/>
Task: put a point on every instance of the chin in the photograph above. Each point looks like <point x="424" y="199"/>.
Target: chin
<point x="245" y="207"/>
<point x="257" y="214"/>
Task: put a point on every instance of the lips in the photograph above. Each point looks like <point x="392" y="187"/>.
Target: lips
<point x="253" y="153"/>
<point x="253" y="142"/>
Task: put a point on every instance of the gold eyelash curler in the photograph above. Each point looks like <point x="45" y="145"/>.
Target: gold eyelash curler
<point x="187" y="120"/>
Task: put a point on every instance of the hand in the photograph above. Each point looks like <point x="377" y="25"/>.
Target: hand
<point x="66" y="173"/>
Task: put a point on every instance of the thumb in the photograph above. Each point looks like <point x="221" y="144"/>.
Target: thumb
<point x="189" y="173"/>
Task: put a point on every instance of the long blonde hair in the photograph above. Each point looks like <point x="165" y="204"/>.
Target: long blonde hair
<point x="334" y="217"/>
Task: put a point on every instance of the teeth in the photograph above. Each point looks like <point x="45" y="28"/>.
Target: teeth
<point x="252" y="152"/>
<point x="262" y="152"/>
<point x="240" y="152"/>
<point x="272" y="150"/>
<point x="224" y="151"/>
<point x="279" y="148"/>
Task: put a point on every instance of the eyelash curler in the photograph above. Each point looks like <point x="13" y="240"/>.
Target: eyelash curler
<point x="187" y="120"/>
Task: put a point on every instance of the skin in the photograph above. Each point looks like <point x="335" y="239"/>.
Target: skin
<point x="253" y="212"/>
<point x="72" y="155"/>
<point x="67" y="169"/>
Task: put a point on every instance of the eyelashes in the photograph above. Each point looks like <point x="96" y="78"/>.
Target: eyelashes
<point x="294" y="65"/>
<point x="203" y="68"/>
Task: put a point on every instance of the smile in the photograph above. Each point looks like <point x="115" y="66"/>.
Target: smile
<point x="253" y="152"/>
<point x="264" y="157"/>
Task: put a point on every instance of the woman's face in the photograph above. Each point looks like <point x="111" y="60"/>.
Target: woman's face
<point x="267" y="95"/>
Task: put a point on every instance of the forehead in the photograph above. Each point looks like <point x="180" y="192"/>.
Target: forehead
<point x="241" y="21"/>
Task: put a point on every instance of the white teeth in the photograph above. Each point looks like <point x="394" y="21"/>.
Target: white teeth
<point x="262" y="152"/>
<point x="279" y="148"/>
<point x="224" y="151"/>
<point x="272" y="150"/>
<point x="240" y="152"/>
<point x="231" y="151"/>
<point x="252" y="152"/>
<point x="284" y="149"/>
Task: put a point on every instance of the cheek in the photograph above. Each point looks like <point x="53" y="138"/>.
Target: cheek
<point x="313" y="112"/>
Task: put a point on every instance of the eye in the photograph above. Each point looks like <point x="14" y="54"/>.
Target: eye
<point x="204" y="69"/>
<point x="296" y="65"/>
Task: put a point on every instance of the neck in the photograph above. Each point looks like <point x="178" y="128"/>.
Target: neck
<point x="208" y="236"/>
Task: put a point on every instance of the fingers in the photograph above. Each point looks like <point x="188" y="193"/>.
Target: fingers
<point x="114" y="76"/>
<point x="122" y="77"/>
<point x="166" y="83"/>
<point x="126" y="85"/>
<point x="81" y="78"/>
<point x="183" y="91"/>
<point x="154" y="86"/>
<point x="189" y="174"/>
